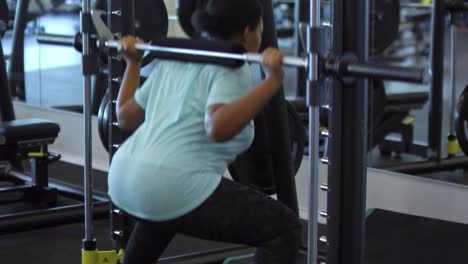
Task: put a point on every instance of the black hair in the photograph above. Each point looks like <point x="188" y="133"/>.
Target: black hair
<point x="224" y="18"/>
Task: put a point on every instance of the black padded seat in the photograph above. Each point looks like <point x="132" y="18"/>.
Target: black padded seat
<point x="404" y="102"/>
<point x="28" y="130"/>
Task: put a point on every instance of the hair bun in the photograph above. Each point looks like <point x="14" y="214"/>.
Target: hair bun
<point x="202" y="21"/>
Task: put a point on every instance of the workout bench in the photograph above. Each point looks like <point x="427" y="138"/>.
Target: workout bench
<point x="28" y="139"/>
<point x="397" y="119"/>
<point x="391" y="114"/>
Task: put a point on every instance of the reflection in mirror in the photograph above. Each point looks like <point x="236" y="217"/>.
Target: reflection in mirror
<point x="412" y="127"/>
<point x="39" y="74"/>
<point x="49" y="74"/>
<point x="59" y="70"/>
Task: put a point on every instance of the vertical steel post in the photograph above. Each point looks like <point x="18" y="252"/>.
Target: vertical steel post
<point x="16" y="65"/>
<point x="335" y="141"/>
<point x="6" y="105"/>
<point x="313" y="102"/>
<point x="301" y="14"/>
<point x="453" y="77"/>
<point x="437" y="67"/>
<point x="348" y="143"/>
<point x="88" y="241"/>
<point x="87" y="134"/>
<point x="120" y="20"/>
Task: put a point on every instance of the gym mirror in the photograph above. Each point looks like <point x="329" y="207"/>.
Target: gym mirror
<point x="412" y="127"/>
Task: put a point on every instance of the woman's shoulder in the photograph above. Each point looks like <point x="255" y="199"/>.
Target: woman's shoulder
<point x="205" y="66"/>
<point x="219" y="69"/>
<point x="209" y="71"/>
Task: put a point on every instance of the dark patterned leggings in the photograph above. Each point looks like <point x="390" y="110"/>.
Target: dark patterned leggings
<point x="234" y="213"/>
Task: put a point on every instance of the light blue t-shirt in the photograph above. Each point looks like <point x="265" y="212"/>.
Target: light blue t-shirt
<point x="169" y="165"/>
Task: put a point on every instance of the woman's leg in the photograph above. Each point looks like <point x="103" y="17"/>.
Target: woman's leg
<point x="147" y="242"/>
<point x="238" y="214"/>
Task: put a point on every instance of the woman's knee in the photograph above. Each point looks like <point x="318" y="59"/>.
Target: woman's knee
<point x="293" y="237"/>
<point x="293" y="224"/>
<point x="290" y="237"/>
<point x="281" y="249"/>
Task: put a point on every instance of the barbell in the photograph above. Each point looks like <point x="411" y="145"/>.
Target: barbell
<point x="246" y="57"/>
<point x="233" y="55"/>
<point x="453" y="6"/>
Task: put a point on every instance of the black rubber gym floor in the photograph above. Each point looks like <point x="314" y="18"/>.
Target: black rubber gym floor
<point x="391" y="237"/>
<point x="398" y="238"/>
<point x="62" y="244"/>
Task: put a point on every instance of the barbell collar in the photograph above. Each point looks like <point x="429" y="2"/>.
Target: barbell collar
<point x="63" y="40"/>
<point x="348" y="68"/>
<point x="388" y="72"/>
<point x="55" y="39"/>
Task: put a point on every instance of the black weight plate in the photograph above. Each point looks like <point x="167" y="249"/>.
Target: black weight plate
<point x="297" y="134"/>
<point x="251" y="170"/>
<point x="103" y="115"/>
<point x="461" y="121"/>
<point x="254" y="167"/>
<point x="4" y="17"/>
<point x="151" y="22"/>
<point x="151" y="19"/>
<point x="460" y="130"/>
<point x="105" y="125"/>
<point x="377" y="99"/>
<point x="100" y="4"/>
<point x="185" y="10"/>
<point x="384" y="24"/>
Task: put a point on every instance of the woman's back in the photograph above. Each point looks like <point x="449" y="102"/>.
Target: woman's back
<point x="171" y="149"/>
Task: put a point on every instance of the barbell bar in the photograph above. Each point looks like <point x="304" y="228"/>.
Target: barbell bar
<point x="247" y="57"/>
<point x="414" y="75"/>
<point x="337" y="67"/>
<point x="450" y="5"/>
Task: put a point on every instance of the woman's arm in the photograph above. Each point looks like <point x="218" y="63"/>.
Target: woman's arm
<point x="224" y="121"/>
<point x="129" y="114"/>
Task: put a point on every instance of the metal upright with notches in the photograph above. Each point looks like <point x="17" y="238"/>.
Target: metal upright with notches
<point x="346" y="187"/>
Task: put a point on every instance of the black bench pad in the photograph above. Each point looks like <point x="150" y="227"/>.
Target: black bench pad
<point x="404" y="102"/>
<point x="26" y="130"/>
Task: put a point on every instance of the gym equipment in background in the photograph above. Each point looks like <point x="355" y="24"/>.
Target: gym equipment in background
<point x="461" y="120"/>
<point x="334" y="67"/>
<point x="23" y="11"/>
<point x="384" y="24"/>
<point x="432" y="152"/>
<point x="4" y="17"/>
<point x="453" y="147"/>
<point x="147" y="27"/>
<point x="28" y="139"/>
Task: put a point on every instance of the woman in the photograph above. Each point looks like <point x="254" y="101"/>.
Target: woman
<point x="191" y="120"/>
